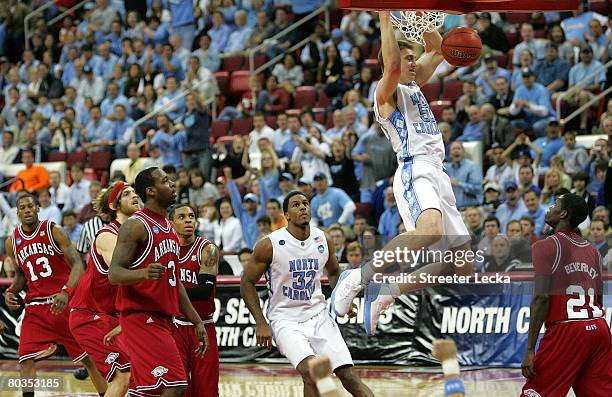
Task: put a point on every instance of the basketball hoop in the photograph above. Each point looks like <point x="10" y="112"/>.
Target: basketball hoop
<point x="412" y="24"/>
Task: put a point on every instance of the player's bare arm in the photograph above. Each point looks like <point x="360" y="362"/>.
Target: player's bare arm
<point x="385" y="90"/>
<point x="192" y="315"/>
<point x="431" y="59"/>
<point x="259" y="263"/>
<point x="131" y="233"/>
<point x="538" y="312"/>
<point x="74" y="259"/>
<point x="332" y="267"/>
<point x="19" y="281"/>
<point x="105" y="245"/>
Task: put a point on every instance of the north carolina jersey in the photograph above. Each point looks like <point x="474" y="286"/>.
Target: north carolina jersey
<point x="189" y="268"/>
<point x="94" y="292"/>
<point x="574" y="267"/>
<point x="42" y="262"/>
<point x="294" y="275"/>
<point x="161" y="246"/>
<point x="412" y="127"/>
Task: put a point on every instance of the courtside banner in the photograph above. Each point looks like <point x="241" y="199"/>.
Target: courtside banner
<point x="489" y="329"/>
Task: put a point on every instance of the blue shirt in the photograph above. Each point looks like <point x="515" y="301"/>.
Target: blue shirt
<point x="472" y="132"/>
<point x="387" y="225"/>
<point x="576" y="27"/>
<point x="99" y="131"/>
<point x="248" y="221"/>
<point x="469" y="175"/>
<point x="548" y="147"/>
<point x="171" y="147"/>
<point x="482" y="83"/>
<point x="536" y="47"/>
<point x="104" y="67"/>
<point x="327" y="207"/>
<point x="581" y="71"/>
<point x="175" y="111"/>
<point x="211" y="61"/>
<point x="537" y="94"/>
<point x="505" y="214"/>
<point x="238" y="39"/>
<point x="219" y="37"/>
<point x="182" y="12"/>
<point x="119" y="128"/>
<point x="305" y="6"/>
<point x="548" y="72"/>
<point x="115" y="43"/>
<point x="108" y="105"/>
<point x="75" y="234"/>
<point x="174" y="61"/>
<point x="538" y="219"/>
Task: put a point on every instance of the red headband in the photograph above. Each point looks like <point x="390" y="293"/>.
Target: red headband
<point x="116" y="192"/>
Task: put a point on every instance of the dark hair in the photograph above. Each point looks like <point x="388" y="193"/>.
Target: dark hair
<point x="68" y="213"/>
<point x="581" y="176"/>
<point x="264" y="219"/>
<point x="526" y="166"/>
<point x="169" y="169"/>
<point x="510" y="223"/>
<point x="25" y="194"/>
<point x="244" y="251"/>
<point x="531" y="190"/>
<point x="560" y="192"/>
<point x="491" y="219"/>
<point x="144" y="180"/>
<point x="27" y="150"/>
<point x="601" y="165"/>
<point x="274" y="201"/>
<point x="175" y="207"/>
<point x="289" y="196"/>
<point x="118" y="176"/>
<point x="576" y="207"/>
<point x="528" y="219"/>
<point x="78" y="166"/>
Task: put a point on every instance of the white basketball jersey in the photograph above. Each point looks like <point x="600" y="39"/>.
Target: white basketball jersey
<point x="294" y="276"/>
<point x="412" y="127"/>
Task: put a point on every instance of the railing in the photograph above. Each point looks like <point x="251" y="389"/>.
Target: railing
<point x="53" y="21"/>
<point x="580" y="86"/>
<point x="282" y="33"/>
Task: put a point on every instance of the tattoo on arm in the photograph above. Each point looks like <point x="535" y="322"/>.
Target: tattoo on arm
<point x="209" y="262"/>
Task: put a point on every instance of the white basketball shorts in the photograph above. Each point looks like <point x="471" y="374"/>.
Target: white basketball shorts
<point x="317" y="336"/>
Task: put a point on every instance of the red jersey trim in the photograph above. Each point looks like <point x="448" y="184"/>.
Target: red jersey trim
<point x="147" y="249"/>
<point x="31" y="236"/>
<point x="577" y="243"/>
<point x="557" y="260"/>
<point x="200" y="243"/>
<point x="163" y="229"/>
<point x="98" y="259"/>
<point x="50" y="226"/>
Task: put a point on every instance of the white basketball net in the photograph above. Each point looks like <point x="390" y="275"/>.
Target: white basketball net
<point x="413" y="24"/>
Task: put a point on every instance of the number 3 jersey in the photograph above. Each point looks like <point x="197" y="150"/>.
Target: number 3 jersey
<point x="294" y="275"/>
<point x="40" y="259"/>
<point x="574" y="267"/>
<point x="160" y="246"/>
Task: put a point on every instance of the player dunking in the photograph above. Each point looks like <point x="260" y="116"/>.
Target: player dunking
<point x="50" y="267"/>
<point x="93" y="314"/>
<point x="576" y="349"/>
<point x="293" y="259"/>
<point x="198" y="267"/>
<point x="144" y="265"/>
<point x="423" y="191"/>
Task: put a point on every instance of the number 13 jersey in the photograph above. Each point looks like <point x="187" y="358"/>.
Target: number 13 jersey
<point x="294" y="275"/>
<point x="161" y="246"/>
<point x="574" y="267"/>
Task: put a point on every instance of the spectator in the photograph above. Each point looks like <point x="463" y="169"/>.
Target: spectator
<point x="336" y="86"/>
<point x="475" y="128"/>
<point x="575" y="158"/>
<point x="597" y="236"/>
<point x="450" y="117"/>
<point x="549" y="144"/>
<point x="66" y="138"/>
<point x="470" y="97"/>
<point x="176" y="110"/>
<point x="260" y="130"/>
<point x="597" y="40"/>
<point x="207" y="220"/>
<point x="274" y="99"/>
<point x="485" y="82"/>
<point x="155" y="32"/>
<point x="99" y="131"/>
<point x="352" y="100"/>
<point x="513" y="208"/>
<point x="103" y="16"/>
<point x="338" y="126"/>
<point x="48" y="210"/>
<point x="527" y="62"/>
<point x="552" y="72"/>
<point x="237" y="40"/>
<point x="552" y="182"/>
<point x="330" y="66"/>
<point x="263" y="227"/>
<point x="557" y="162"/>
<point x="244" y="256"/>
<point x="33" y="178"/>
<point x="200" y="190"/>
<point x="355" y="26"/>
<point x="306" y="188"/>
<point x="113" y="98"/>
<point x="136" y="164"/>
<point x="197" y="150"/>
<point x="339" y="41"/>
<point x="473" y="221"/>
<point x="219" y="32"/>
<point x="599" y="154"/>
<point x="497" y="128"/>
<point x="169" y="139"/>
<point x="60" y="193"/>
<point x="88" y="212"/>
<point x="491" y="198"/>
<point x="577" y="27"/>
<point x="465" y="177"/>
<point x="232" y="159"/>
<point x="275" y="213"/>
<point x="166" y="63"/>
<point x="492" y="35"/>
<point x="261" y="30"/>
<point x="228" y="231"/>
<point x="280" y="23"/>
<point x="366" y="86"/>
<point x="8" y="151"/>
<point x="201" y="79"/>
<point x="535" y="46"/>
<point x="289" y="73"/>
<point x="71" y="226"/>
<point x="532" y="104"/>
<point x="390" y="218"/>
<point x="502" y="99"/>
<point x="500" y="172"/>
<point x="523" y="147"/>
<point x="491" y="230"/>
<point x="526" y="177"/>
<point x="580" y="182"/>
<point x="79" y="190"/>
<point x="330" y="205"/>
<point x="90" y="85"/>
<point x="104" y="62"/>
<point x="527" y="229"/>
<point x="208" y="56"/>
<point x="354" y="255"/>
<point x="310" y="163"/>
<point x="313" y="52"/>
<point x="566" y="49"/>
<point x="338" y="237"/>
<point x="500" y="259"/>
<point x="535" y="210"/>
<point x="123" y="133"/>
<point x="183" y="21"/>
<point x="285" y="182"/>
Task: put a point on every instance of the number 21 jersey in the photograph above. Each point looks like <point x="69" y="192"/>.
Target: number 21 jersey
<point x="574" y="267"/>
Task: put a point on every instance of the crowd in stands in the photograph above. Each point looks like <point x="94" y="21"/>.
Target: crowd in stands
<point x="78" y="87"/>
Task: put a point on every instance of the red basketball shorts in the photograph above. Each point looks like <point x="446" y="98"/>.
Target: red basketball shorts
<point x="576" y="354"/>
<point x="42" y="329"/>
<point x="204" y="371"/>
<point x="89" y="329"/>
<point x="156" y="361"/>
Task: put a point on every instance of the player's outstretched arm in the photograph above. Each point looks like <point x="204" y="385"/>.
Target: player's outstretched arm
<point x="538" y="312"/>
<point x="260" y="261"/>
<point x="392" y="69"/>
<point x="131" y="233"/>
<point x="431" y="59"/>
<point x="74" y="259"/>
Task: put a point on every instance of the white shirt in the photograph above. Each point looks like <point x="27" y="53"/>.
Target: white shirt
<point x="51" y="213"/>
<point x="60" y="195"/>
<point x="254" y="153"/>
<point x="229" y="233"/>
<point x="79" y="195"/>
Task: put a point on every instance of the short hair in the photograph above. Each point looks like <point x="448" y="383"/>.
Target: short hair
<point x="27" y="150"/>
<point x="581" y="176"/>
<point x="25" y="194"/>
<point x="289" y="197"/>
<point x="526" y="166"/>
<point x="560" y="192"/>
<point x="264" y="219"/>
<point x="244" y="251"/>
<point x="77" y="166"/>
<point x="491" y="219"/>
<point x="354" y="246"/>
<point x="275" y="201"/>
<point x="336" y="228"/>
<point x="577" y="208"/>
<point x="598" y="220"/>
<point x="169" y="169"/>
<point x="175" y="207"/>
<point x="531" y="190"/>
<point x="510" y="223"/>
<point x="401" y="44"/>
<point x="528" y="219"/>
<point x="144" y="180"/>
<point x="68" y="213"/>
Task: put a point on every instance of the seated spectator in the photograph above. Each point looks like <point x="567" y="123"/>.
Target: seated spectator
<point x="261" y="30"/>
<point x="531" y="104"/>
<point x="336" y="233"/>
<point x="597" y="236"/>
<point x="577" y="26"/>
<point x="330" y="67"/>
<point x="136" y="164"/>
<point x="249" y="103"/>
<point x="60" y="193"/>
<point x="527" y="62"/>
<point x="79" y="190"/>
<point x="219" y="32"/>
<point x="520" y="247"/>
<point x="366" y="86"/>
<point x="535" y="210"/>
<point x="338" y="85"/>
<point x="286" y="183"/>
<point x="200" y="189"/>
<point x="491" y="198"/>
<point x="66" y="138"/>
<point x="280" y="23"/>
<point x="354" y="255"/>
<point x="485" y="83"/>
<point x="390" y="218"/>
<point x="122" y="131"/>
<point x="565" y="48"/>
<point x="104" y="62"/>
<point x="169" y="139"/>
<point x="502" y="99"/>
<point x="497" y="128"/>
<point x="491" y="230"/>
<point x="353" y="123"/>
<point x="313" y="52"/>
<point x="465" y="177"/>
<point x="353" y="99"/>
<point x="233" y="158"/>
<point x="289" y="73"/>
<point x="557" y="163"/>
<point x="91" y="85"/>
<point x="275" y="213"/>
<point x="200" y="79"/>
<point x="470" y="97"/>
<point x="99" y="131"/>
<point x="513" y="207"/>
<point x="237" y="40"/>
<point x="48" y="210"/>
<point x="166" y="63"/>
<point x="330" y="205"/>
<point x="450" y="117"/>
<point x="552" y="72"/>
<point x="501" y="258"/>
<point x="33" y="178"/>
<point x="260" y="130"/>
<point x="473" y="220"/>
<point x="244" y="255"/>
<point x="180" y="52"/>
<point x="264" y="227"/>
<point x="492" y="35"/>
<point x="552" y="183"/>
<point x="575" y="158"/>
<point x="88" y="212"/>
<point x="155" y="32"/>
<point x="535" y="46"/>
<point x="228" y="231"/>
<point x="274" y="99"/>
<point x="207" y="219"/>
<point x="71" y="226"/>
<point x="474" y="130"/>
<point x="308" y="120"/>
<point x="176" y="110"/>
<point x="355" y="26"/>
<point x="208" y="56"/>
<point x="527" y="229"/>
<point x="112" y="99"/>
<point x="580" y="182"/>
<point x="338" y="40"/>
<point x="8" y="151"/>
<point x="500" y="172"/>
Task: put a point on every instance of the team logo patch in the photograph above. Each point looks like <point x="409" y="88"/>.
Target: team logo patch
<point x="96" y="317"/>
<point x="317" y="238"/>
<point x="42" y="234"/>
<point x="18" y="241"/>
<point x="150" y="321"/>
<point x="155" y="230"/>
<point x="111" y="358"/>
<point x="321" y="248"/>
<point x="159" y="371"/>
<point x="281" y="242"/>
<point x="193" y="257"/>
<point x="531" y="393"/>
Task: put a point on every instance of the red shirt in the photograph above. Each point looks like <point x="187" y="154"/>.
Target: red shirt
<point x="575" y="267"/>
<point x="42" y="262"/>
<point x="161" y="246"/>
<point x="94" y="292"/>
<point x="189" y="265"/>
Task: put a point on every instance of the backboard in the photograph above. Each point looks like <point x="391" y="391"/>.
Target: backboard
<point x="463" y="6"/>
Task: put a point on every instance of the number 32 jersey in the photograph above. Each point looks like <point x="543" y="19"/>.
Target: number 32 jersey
<point x="40" y="259"/>
<point x="575" y="268"/>
<point x="294" y="275"/>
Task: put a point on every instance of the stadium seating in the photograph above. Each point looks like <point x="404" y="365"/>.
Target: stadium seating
<point x="452" y="90"/>
<point x="305" y="96"/>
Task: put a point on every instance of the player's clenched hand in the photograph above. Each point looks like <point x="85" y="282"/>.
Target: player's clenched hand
<point x="109" y="338"/>
<point x="11" y="300"/>
<point x="353" y="311"/>
<point x="155" y="271"/>
<point x="203" y="338"/>
<point x="60" y="302"/>
<point x="264" y="336"/>
<point x="527" y="365"/>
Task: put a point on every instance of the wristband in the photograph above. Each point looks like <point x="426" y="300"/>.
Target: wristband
<point x="454" y="386"/>
<point x="68" y="290"/>
<point x="326" y="385"/>
<point x="450" y="367"/>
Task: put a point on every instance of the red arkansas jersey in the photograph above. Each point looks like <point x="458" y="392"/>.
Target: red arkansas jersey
<point x="189" y="265"/>
<point x="94" y="292"/>
<point x="41" y="261"/>
<point x="161" y="246"/>
<point x="575" y="267"/>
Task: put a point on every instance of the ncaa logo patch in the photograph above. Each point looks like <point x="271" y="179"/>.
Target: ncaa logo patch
<point x="159" y="371"/>
<point x="193" y="258"/>
<point x="155" y="230"/>
<point x="281" y="242"/>
<point x="321" y="248"/>
<point x="531" y="393"/>
<point x="18" y="241"/>
<point x="111" y="358"/>
<point x="42" y="234"/>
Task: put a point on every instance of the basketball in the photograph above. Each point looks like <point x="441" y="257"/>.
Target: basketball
<point x="461" y="46"/>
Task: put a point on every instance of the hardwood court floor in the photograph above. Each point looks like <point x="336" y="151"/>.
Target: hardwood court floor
<point x="240" y="380"/>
